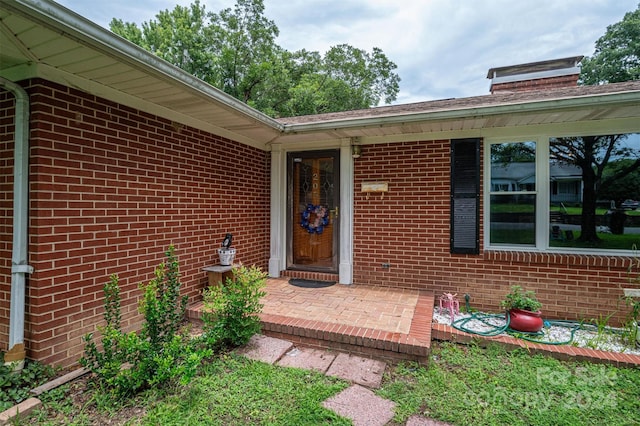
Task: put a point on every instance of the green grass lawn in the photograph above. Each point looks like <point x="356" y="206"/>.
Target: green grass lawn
<point x="600" y="211"/>
<point x="607" y="241"/>
<point x="511" y="236"/>
<point x="462" y="384"/>
<point x="237" y="391"/>
<point x="572" y="211"/>
<point x="469" y="385"/>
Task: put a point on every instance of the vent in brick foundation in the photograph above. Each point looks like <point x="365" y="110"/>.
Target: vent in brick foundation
<point x="541" y="75"/>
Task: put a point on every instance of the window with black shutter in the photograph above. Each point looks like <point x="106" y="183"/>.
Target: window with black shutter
<point x="465" y="196"/>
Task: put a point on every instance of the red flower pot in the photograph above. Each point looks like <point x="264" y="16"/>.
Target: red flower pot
<point x="527" y="321"/>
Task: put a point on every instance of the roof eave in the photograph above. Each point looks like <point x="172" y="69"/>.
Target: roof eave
<point x="111" y="44"/>
<point x="462" y="113"/>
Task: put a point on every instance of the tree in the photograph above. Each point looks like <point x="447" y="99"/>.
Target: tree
<point x="235" y="50"/>
<point x="622" y="188"/>
<point x="592" y="154"/>
<point x="617" y="54"/>
<point x="181" y="37"/>
<point x="244" y="42"/>
<point x="520" y="152"/>
<point x="604" y="160"/>
<point x="347" y="78"/>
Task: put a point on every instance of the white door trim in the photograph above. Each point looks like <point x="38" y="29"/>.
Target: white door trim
<point x="278" y="223"/>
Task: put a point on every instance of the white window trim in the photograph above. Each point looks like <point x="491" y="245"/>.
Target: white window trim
<point x="487" y="194"/>
<point x="543" y="195"/>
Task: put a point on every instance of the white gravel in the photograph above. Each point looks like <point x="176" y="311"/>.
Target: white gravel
<point x="584" y="338"/>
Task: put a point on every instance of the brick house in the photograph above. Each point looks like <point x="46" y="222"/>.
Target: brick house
<point x="121" y="154"/>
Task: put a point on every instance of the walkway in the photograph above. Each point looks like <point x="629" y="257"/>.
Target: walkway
<point x="358" y="402"/>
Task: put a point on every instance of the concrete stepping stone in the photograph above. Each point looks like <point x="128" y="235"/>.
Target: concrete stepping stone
<point x="361" y="406"/>
<point x="265" y="349"/>
<point x="363" y="371"/>
<point x="308" y="359"/>
<point x="423" y="421"/>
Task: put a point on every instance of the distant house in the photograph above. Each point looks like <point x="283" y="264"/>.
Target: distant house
<point x="108" y="154"/>
<point x="565" y="180"/>
<point x="566" y="183"/>
<point x="513" y="177"/>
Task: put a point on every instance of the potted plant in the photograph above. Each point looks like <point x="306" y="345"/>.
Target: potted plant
<point x="523" y="310"/>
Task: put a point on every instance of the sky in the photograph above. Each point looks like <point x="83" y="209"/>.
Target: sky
<point x="443" y="48"/>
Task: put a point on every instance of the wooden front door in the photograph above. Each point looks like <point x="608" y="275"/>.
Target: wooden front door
<point x="313" y="195"/>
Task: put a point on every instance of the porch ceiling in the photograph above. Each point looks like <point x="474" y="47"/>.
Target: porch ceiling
<point x="39" y="38"/>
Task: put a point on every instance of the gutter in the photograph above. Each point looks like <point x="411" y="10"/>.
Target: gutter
<point x="546" y="105"/>
<point x="63" y="20"/>
<point x="19" y="260"/>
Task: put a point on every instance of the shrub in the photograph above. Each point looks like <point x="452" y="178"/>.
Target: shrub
<point x="162" y="306"/>
<point x="132" y="361"/>
<point x="231" y="309"/>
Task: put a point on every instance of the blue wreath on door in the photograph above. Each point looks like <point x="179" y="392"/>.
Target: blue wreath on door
<point x="316" y="224"/>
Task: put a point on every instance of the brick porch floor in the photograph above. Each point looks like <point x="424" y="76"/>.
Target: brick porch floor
<point x="385" y="323"/>
<point x="393" y="324"/>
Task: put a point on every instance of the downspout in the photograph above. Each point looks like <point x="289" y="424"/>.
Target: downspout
<point x="19" y="260"/>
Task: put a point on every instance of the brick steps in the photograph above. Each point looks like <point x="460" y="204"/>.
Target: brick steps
<point x="414" y="345"/>
<point x="307" y="275"/>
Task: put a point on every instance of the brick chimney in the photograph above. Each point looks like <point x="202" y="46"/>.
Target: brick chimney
<point x="541" y="75"/>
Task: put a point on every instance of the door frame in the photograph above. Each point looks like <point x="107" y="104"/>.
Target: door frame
<point x="278" y="208"/>
<point x="293" y="222"/>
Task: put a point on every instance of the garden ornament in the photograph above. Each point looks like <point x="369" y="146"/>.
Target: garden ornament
<point x="449" y="302"/>
<point x="226" y="243"/>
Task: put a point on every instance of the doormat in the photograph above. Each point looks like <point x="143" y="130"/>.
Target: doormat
<point x="300" y="282"/>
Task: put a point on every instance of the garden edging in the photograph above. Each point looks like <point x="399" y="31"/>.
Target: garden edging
<point x="562" y="352"/>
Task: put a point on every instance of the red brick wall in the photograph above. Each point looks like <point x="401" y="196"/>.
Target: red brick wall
<point x="409" y="229"/>
<point x="111" y="188"/>
<point x="537" y="84"/>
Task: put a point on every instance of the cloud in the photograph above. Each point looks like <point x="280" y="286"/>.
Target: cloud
<point x="443" y="48"/>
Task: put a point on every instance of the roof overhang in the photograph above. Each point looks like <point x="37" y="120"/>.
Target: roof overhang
<point x="584" y="106"/>
<point x="39" y="38"/>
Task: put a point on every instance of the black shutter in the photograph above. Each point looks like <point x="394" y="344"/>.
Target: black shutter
<point x="465" y="196"/>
